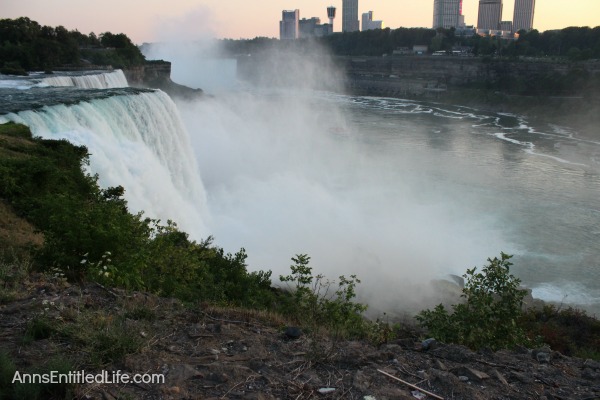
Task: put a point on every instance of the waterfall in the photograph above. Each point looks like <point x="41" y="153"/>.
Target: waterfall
<point x="105" y="80"/>
<point x="136" y="141"/>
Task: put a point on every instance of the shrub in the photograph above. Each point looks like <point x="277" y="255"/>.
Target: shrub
<point x="489" y="314"/>
<point x="315" y="303"/>
<point x="569" y="331"/>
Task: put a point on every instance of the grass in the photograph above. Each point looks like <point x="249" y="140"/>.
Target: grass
<point x="14" y="269"/>
<point x="25" y="390"/>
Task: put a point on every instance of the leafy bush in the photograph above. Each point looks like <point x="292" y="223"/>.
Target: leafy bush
<point x="569" y="331"/>
<point x="489" y="314"/>
<point x="313" y="304"/>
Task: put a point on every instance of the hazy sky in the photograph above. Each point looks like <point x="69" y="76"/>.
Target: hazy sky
<point x="159" y="20"/>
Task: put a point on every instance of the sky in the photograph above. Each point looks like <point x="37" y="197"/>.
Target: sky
<point x="160" y="20"/>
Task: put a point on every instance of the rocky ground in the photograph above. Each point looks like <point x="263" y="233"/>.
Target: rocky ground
<point x="221" y="353"/>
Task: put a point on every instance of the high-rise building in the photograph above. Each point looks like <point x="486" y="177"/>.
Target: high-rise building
<point x="447" y="13"/>
<point x="289" y="25"/>
<point x="523" y="15"/>
<point x="490" y="15"/>
<point x="368" y="23"/>
<point x="350" y="21"/>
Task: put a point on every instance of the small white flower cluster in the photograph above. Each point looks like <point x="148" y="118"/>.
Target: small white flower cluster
<point x="103" y="268"/>
<point x="58" y="274"/>
<point x="47" y="304"/>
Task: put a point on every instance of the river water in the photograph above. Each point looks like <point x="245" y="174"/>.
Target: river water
<point x="401" y="191"/>
<point x="538" y="185"/>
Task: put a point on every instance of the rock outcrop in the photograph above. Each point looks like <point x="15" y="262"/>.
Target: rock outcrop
<point x="157" y="75"/>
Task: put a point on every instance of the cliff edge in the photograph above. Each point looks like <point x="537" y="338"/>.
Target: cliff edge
<point x="157" y="75"/>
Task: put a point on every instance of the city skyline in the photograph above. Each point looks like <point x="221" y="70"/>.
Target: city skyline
<point x="235" y="19"/>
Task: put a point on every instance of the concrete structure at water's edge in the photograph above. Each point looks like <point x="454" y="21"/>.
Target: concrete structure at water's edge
<point x="523" y="15"/>
<point x="368" y="23"/>
<point x="490" y="15"/>
<point x="289" y="26"/>
<point x="350" y="21"/>
<point x="447" y="14"/>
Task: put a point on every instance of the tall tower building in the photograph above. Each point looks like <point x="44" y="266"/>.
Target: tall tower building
<point x="350" y="21"/>
<point x="490" y="14"/>
<point x="447" y="13"/>
<point x="331" y="15"/>
<point x="289" y="27"/>
<point x="523" y="15"/>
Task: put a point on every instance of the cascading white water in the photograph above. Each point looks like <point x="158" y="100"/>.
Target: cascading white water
<point x="137" y="141"/>
<point x="105" y="80"/>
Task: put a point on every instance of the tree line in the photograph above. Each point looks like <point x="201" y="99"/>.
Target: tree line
<point x="25" y="45"/>
<point x="573" y="43"/>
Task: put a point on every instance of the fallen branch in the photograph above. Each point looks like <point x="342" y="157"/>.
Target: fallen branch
<point x="411" y="385"/>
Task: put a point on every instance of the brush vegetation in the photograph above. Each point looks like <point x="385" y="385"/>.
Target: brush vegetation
<point x="78" y="232"/>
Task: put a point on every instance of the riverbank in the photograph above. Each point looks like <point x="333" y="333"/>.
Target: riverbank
<point x="208" y="352"/>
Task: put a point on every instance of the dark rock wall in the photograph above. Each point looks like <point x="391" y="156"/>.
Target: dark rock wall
<point x="144" y="75"/>
<point x="426" y="75"/>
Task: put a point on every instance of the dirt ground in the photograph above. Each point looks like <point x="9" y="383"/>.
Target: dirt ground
<point x="221" y="353"/>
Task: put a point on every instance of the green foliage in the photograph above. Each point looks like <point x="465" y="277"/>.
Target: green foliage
<point x="569" y="331"/>
<point x="112" y="344"/>
<point x="13" y="271"/>
<point x="7" y="372"/>
<point x="89" y="232"/>
<point x="34" y="391"/>
<point x="40" y="327"/>
<point x="315" y="302"/>
<point x="489" y="314"/>
<point x="382" y="331"/>
<point x="377" y="42"/>
<point x="25" y="45"/>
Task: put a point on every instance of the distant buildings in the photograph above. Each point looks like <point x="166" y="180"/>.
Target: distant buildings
<point x="289" y="26"/>
<point x="490" y="15"/>
<point x="523" y="15"/>
<point x="313" y="28"/>
<point x="350" y="21"/>
<point x="447" y="14"/>
<point x="292" y="27"/>
<point x="368" y="23"/>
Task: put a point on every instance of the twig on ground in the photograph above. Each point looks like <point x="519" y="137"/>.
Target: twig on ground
<point x="411" y="385"/>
